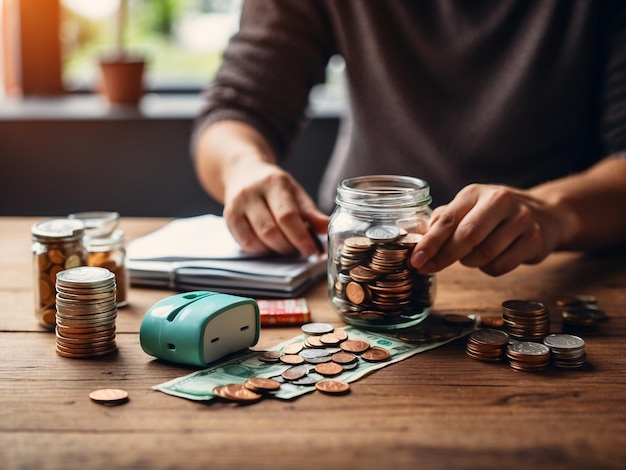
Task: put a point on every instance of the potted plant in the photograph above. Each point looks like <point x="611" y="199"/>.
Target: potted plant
<point x="122" y="71"/>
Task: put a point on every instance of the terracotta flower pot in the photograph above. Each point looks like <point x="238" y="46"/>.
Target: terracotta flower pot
<point x="122" y="79"/>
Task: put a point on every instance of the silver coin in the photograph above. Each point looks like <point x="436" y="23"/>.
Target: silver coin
<point x="310" y="379"/>
<point x="529" y="348"/>
<point x="383" y="233"/>
<point x="563" y="342"/>
<point x="317" y="328"/>
<point x="85" y="276"/>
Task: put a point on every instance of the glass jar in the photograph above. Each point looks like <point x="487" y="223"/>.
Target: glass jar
<point x="377" y="222"/>
<point x="109" y="252"/>
<point x="57" y="245"/>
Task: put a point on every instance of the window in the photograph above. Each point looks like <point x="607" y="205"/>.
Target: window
<point x="183" y="40"/>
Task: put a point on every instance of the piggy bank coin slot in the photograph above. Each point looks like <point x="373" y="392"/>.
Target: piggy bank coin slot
<point x="171" y="347"/>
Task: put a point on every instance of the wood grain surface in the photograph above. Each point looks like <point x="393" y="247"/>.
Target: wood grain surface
<point x="439" y="409"/>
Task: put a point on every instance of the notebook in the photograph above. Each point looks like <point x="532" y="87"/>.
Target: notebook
<point x="199" y="253"/>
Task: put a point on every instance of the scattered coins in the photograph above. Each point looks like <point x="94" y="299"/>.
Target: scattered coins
<point x="325" y="352"/>
<point x="237" y="392"/>
<point x="109" y="396"/>
<point x="86" y="310"/>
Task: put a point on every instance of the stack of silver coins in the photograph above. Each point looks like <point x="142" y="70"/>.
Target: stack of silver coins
<point x="86" y="310"/>
<point x="525" y="320"/>
<point x="568" y="351"/>
<point x="528" y="356"/>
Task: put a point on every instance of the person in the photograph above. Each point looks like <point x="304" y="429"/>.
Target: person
<point x="513" y="111"/>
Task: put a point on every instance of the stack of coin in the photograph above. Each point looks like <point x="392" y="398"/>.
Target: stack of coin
<point x="86" y="312"/>
<point x="581" y="313"/>
<point x="487" y="344"/>
<point x="528" y="356"/>
<point x="374" y="284"/>
<point x="568" y="351"/>
<point x="525" y="320"/>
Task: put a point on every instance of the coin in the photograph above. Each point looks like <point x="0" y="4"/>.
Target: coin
<point x="356" y="346"/>
<point x="376" y="354"/>
<point x="317" y="328"/>
<point x="333" y="387"/>
<point x="355" y="293"/>
<point x="329" y="369"/>
<point x="260" y="385"/>
<point x="344" y="358"/>
<point x="236" y="392"/>
<point x="293" y="348"/>
<point x="292" y="359"/>
<point x="109" y="396"/>
<point x="269" y="356"/>
<point x="455" y="319"/>
<point x="383" y="233"/>
<point x="295" y="373"/>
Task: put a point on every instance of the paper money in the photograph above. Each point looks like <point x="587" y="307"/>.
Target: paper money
<point x="200" y="385"/>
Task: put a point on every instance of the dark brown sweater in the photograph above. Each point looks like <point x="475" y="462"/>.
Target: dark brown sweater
<point x="453" y="91"/>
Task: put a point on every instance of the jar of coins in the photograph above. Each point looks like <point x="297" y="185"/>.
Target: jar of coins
<point x="108" y="251"/>
<point x="57" y="245"/>
<point x="376" y="224"/>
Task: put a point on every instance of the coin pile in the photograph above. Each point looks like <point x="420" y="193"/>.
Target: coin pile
<point x="325" y="353"/>
<point x="568" y="351"/>
<point x="525" y="320"/>
<point x="487" y="344"/>
<point x="375" y="285"/>
<point x="528" y="355"/>
<point x="86" y="310"/>
<point x="581" y="313"/>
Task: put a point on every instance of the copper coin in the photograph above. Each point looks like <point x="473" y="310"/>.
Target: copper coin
<point x="260" y="385"/>
<point x="236" y="392"/>
<point x="341" y="334"/>
<point x="329" y="339"/>
<point x="269" y="356"/>
<point x="334" y="387"/>
<point x="356" y="346"/>
<point x="292" y="359"/>
<point x="455" y="319"/>
<point x="363" y="274"/>
<point x="293" y="348"/>
<point x="109" y="396"/>
<point x="355" y="293"/>
<point x="295" y="373"/>
<point x="376" y="354"/>
<point x="344" y="358"/>
<point x="329" y="369"/>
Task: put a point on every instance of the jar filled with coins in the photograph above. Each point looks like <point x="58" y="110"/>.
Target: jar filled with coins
<point x="108" y="251"/>
<point x="377" y="222"/>
<point x="57" y="245"/>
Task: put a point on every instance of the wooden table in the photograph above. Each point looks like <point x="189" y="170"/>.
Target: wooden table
<point x="438" y="409"/>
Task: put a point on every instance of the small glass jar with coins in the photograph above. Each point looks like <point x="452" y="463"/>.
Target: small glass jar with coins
<point x="109" y="252"/>
<point x="105" y="244"/>
<point x="377" y="223"/>
<point x="57" y="245"/>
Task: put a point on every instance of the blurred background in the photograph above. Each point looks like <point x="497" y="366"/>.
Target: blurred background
<point x="68" y="146"/>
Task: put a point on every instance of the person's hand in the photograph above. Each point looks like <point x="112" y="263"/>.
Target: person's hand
<point x="268" y="211"/>
<point x="494" y="228"/>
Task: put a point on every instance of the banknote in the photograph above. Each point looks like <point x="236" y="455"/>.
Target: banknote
<point x="199" y="385"/>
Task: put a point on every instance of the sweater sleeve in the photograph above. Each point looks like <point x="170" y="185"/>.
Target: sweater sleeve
<point x="268" y="69"/>
<point x="613" y="99"/>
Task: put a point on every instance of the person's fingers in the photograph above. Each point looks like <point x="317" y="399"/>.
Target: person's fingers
<point x="512" y="241"/>
<point x="517" y="253"/>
